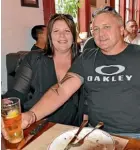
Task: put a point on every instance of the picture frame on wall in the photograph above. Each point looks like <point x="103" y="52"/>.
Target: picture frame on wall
<point x="30" y="3"/>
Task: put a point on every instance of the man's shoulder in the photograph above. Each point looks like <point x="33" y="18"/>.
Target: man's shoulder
<point x="89" y="39"/>
<point x="34" y="48"/>
<point x="90" y="53"/>
<point x="89" y="44"/>
<point x="134" y="48"/>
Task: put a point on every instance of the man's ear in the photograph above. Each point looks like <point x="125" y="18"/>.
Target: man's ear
<point x="122" y="30"/>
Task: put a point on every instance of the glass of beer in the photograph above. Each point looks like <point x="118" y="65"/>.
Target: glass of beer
<point x="11" y="114"/>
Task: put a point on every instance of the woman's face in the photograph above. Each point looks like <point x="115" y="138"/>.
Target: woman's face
<point x="61" y="36"/>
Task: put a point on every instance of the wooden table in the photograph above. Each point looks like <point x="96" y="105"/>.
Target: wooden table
<point x="133" y="144"/>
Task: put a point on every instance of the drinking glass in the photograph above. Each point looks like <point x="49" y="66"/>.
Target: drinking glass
<point x="11" y="114"/>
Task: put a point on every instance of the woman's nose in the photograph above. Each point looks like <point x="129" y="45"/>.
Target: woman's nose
<point x="62" y="34"/>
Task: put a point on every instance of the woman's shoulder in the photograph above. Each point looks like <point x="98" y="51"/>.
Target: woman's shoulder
<point x="37" y="54"/>
<point x="33" y="56"/>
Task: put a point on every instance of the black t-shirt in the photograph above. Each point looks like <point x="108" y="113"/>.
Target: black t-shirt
<point x="112" y="85"/>
<point x="89" y="44"/>
<point x="34" y="47"/>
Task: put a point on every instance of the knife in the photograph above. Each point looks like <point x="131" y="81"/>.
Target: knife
<point x="75" y="136"/>
<point x="32" y="133"/>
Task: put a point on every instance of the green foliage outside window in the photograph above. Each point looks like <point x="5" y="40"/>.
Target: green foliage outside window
<point x="68" y="7"/>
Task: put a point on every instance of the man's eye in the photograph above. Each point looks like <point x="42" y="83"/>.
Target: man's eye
<point x="106" y="27"/>
<point x="95" y="29"/>
<point x="55" y="31"/>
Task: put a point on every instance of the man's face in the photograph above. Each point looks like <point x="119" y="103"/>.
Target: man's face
<point x="44" y="34"/>
<point x="107" y="31"/>
<point x="132" y="27"/>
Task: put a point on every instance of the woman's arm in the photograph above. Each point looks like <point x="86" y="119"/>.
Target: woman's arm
<point x="57" y="95"/>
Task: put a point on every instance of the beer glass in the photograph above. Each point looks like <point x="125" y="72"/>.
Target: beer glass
<point x="11" y="114"/>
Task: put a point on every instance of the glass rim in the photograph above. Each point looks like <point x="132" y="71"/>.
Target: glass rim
<point x="5" y="106"/>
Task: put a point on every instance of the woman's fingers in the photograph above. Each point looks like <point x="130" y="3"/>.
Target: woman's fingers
<point x="3" y="130"/>
<point x="27" y="119"/>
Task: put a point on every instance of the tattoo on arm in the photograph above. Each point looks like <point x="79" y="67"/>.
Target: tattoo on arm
<point x="55" y="88"/>
<point x="67" y="76"/>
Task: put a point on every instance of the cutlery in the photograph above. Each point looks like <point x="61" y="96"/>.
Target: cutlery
<point x="75" y="136"/>
<point x="81" y="141"/>
<point x="32" y="133"/>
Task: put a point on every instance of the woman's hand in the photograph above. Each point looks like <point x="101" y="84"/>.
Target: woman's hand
<point x="3" y="131"/>
<point x="27" y="119"/>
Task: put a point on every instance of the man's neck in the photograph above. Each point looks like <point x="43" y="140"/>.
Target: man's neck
<point x="40" y="44"/>
<point x="131" y="37"/>
<point x="118" y="48"/>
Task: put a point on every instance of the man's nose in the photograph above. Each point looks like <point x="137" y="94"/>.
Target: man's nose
<point x="101" y="32"/>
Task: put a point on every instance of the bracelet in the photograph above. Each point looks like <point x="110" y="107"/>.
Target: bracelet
<point x="35" y="118"/>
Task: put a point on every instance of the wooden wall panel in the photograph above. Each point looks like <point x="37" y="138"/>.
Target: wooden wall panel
<point x="49" y="9"/>
<point x="123" y="8"/>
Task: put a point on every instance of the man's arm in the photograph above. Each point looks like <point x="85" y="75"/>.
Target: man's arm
<point x="57" y="95"/>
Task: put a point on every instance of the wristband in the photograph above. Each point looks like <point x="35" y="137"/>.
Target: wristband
<point x="35" y="118"/>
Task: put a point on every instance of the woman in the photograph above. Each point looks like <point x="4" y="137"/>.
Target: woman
<point x="42" y="69"/>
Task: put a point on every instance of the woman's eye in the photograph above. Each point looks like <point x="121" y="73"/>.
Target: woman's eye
<point x="67" y="30"/>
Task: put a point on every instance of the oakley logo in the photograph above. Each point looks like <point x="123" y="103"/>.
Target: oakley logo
<point x="100" y="69"/>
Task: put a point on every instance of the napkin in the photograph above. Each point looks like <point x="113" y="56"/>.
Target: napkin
<point x="43" y="141"/>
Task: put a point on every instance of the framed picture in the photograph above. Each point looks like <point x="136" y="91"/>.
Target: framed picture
<point x="30" y="3"/>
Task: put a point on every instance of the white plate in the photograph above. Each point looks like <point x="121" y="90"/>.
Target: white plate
<point x="97" y="140"/>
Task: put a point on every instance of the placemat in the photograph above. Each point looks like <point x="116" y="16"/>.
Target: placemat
<point x="42" y="142"/>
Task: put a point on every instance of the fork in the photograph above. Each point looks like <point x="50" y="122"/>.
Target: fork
<point x="81" y="141"/>
<point x="77" y="133"/>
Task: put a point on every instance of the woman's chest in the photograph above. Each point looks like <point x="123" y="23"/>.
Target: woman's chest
<point x="61" y="69"/>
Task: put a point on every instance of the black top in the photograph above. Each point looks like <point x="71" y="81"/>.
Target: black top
<point x="112" y="87"/>
<point x="35" y="76"/>
<point x="34" y="47"/>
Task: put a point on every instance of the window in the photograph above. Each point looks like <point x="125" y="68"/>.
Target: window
<point x="135" y="10"/>
<point x="117" y="5"/>
<point x="127" y="11"/>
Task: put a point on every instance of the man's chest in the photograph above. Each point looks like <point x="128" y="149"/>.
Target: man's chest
<point x="112" y="73"/>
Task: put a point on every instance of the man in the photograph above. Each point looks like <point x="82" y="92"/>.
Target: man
<point x="110" y="77"/>
<point x="39" y="34"/>
<point x="89" y="43"/>
<point x="133" y="35"/>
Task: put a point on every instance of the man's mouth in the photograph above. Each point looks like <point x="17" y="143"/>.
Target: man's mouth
<point x="104" y="40"/>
